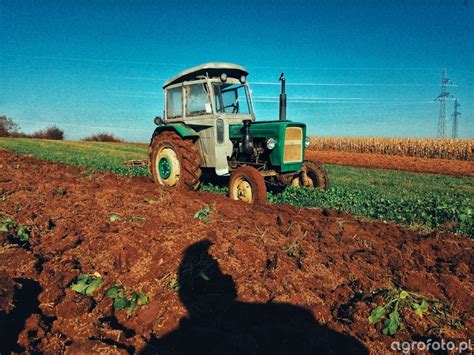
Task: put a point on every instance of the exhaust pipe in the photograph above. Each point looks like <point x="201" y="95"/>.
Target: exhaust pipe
<point x="247" y="142"/>
<point x="282" y="98"/>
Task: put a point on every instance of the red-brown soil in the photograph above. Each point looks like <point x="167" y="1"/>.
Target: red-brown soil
<point x="254" y="279"/>
<point x="393" y="162"/>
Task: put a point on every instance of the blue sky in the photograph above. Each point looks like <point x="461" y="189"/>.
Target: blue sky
<point x="353" y="68"/>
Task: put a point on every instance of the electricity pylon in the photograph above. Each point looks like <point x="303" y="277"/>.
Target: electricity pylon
<point x="455" y="118"/>
<point x="442" y="101"/>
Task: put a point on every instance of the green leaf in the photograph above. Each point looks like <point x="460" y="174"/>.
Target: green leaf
<point x="79" y="287"/>
<point x="403" y="295"/>
<point x="6" y="225"/>
<point x="94" y="284"/>
<point x="114" y="217"/>
<point x="115" y="292"/>
<point x="204" y="214"/>
<point x="135" y="219"/>
<point x="142" y="298"/>
<point x="420" y="308"/>
<point x="392" y="324"/>
<point x="376" y="314"/>
<point x="120" y="303"/>
<point x="83" y="277"/>
<point x="23" y="234"/>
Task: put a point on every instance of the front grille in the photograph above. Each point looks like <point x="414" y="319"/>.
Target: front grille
<point x="293" y="145"/>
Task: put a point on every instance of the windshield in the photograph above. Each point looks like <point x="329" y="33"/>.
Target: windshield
<point x="232" y="98"/>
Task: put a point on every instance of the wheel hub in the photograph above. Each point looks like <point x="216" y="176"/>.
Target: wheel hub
<point x="244" y="191"/>
<point x="164" y="167"/>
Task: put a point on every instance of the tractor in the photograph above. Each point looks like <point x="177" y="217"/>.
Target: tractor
<point x="209" y="127"/>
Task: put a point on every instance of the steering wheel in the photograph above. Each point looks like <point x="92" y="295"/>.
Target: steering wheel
<point x="235" y="106"/>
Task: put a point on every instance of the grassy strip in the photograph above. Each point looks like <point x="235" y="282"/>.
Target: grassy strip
<point x="400" y="197"/>
<point x="95" y="156"/>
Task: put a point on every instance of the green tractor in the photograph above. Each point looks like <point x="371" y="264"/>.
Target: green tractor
<point x="209" y="127"/>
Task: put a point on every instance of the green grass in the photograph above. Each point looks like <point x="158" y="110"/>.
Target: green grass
<point x="406" y="198"/>
<point x="96" y="156"/>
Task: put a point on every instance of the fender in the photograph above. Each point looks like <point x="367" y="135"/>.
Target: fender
<point x="182" y="130"/>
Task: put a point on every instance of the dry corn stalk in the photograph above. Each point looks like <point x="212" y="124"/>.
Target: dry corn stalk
<point x="459" y="149"/>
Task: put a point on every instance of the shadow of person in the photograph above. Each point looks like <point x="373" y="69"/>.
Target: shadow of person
<point x="218" y="324"/>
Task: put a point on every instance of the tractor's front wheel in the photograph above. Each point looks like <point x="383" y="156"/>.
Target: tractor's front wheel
<point x="174" y="161"/>
<point x="313" y="175"/>
<point x="247" y="184"/>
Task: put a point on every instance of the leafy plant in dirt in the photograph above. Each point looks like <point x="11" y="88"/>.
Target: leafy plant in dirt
<point x="223" y="190"/>
<point x="87" y="284"/>
<point x="170" y="282"/>
<point x="204" y="214"/>
<point x="398" y="302"/>
<point x="134" y="219"/>
<point x="121" y="301"/>
<point x="15" y="230"/>
<point x="114" y="217"/>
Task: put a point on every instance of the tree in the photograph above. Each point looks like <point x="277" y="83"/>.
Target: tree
<point x="49" y="133"/>
<point x="7" y="126"/>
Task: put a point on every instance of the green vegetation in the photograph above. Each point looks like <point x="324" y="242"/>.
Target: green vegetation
<point x="446" y="210"/>
<point x="15" y="230"/>
<point x="121" y="301"/>
<point x="398" y="302"/>
<point x="95" y="156"/>
<point x="204" y="214"/>
<point x="115" y="217"/>
<point x="87" y="284"/>
<point x="418" y="200"/>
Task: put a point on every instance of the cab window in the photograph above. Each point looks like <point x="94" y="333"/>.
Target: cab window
<point x="197" y="100"/>
<point x="232" y="98"/>
<point x="174" y="102"/>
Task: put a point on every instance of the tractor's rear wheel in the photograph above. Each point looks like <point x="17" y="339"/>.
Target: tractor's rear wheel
<point x="174" y="161"/>
<point x="313" y="175"/>
<point x="247" y="184"/>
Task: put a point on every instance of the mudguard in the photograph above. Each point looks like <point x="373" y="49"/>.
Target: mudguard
<point x="182" y="130"/>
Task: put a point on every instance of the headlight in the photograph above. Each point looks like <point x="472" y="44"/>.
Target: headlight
<point x="224" y="77"/>
<point x="306" y="142"/>
<point x="271" y="143"/>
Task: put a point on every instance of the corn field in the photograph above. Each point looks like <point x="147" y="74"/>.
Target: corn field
<point x="459" y="149"/>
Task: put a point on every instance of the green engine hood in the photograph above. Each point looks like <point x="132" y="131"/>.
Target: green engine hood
<point x="276" y="130"/>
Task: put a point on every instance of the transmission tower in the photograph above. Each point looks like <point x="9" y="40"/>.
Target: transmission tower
<point x="442" y="101"/>
<point x="455" y="118"/>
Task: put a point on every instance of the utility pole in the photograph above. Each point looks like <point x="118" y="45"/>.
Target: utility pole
<point x="455" y="118"/>
<point x="442" y="101"/>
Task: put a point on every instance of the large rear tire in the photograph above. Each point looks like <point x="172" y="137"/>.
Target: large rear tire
<point x="247" y="184"/>
<point x="174" y="161"/>
<point x="313" y="175"/>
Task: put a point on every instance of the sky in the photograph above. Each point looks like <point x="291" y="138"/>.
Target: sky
<point x="353" y="68"/>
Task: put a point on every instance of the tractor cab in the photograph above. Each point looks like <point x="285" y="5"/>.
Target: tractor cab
<point x="209" y="89"/>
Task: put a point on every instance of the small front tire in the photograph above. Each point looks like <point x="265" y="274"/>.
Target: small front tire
<point x="313" y="175"/>
<point x="248" y="185"/>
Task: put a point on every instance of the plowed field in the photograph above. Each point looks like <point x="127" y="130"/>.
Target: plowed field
<point x="251" y="280"/>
